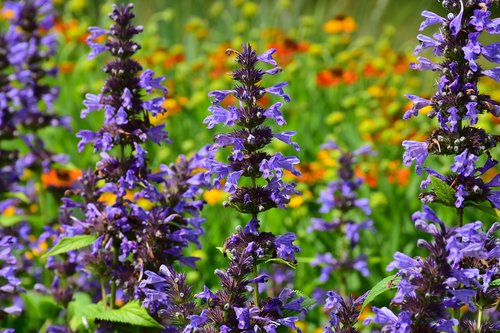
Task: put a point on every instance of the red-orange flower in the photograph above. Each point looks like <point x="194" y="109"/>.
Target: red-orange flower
<point x="60" y="178"/>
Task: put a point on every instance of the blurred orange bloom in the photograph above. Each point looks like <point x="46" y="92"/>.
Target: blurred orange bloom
<point x="340" y="23"/>
<point x="369" y="177"/>
<point x="311" y="173"/>
<point x="398" y="174"/>
<point x="335" y="76"/>
<point x="286" y="49"/>
<point x="60" y="178"/>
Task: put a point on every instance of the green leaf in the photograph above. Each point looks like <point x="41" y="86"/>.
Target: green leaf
<point x="487" y="209"/>
<point x="76" y="308"/>
<point x="495" y="283"/>
<point x="131" y="313"/>
<point x="308" y="301"/>
<point x="225" y="253"/>
<point x="444" y="192"/>
<point x="67" y="244"/>
<point x="306" y="304"/>
<point x="8" y="221"/>
<point x="281" y="262"/>
<point x="382" y="286"/>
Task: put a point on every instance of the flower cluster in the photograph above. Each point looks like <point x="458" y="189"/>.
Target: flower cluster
<point x="26" y="100"/>
<point x="227" y="309"/>
<point x="231" y="308"/>
<point x="462" y="260"/>
<point x="458" y="271"/>
<point x="9" y="284"/>
<point x="340" y="198"/>
<point x="247" y="158"/>
<point x="458" y="102"/>
<point x="343" y="313"/>
<point x="141" y="219"/>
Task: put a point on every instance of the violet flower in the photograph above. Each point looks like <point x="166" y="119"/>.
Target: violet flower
<point x="340" y="198"/>
<point x="10" y="284"/>
<point x="458" y="270"/>
<point x="343" y="313"/>
<point x="458" y="103"/>
<point x="148" y="218"/>
<point x="231" y="309"/>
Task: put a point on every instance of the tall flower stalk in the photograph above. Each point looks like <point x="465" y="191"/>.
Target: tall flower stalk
<point x="27" y="48"/>
<point x="458" y="103"/>
<point x="139" y="218"/>
<point x="339" y="199"/>
<point x="253" y="178"/>
<point x="463" y="259"/>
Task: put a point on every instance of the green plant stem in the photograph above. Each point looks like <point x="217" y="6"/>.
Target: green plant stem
<point x="460" y="216"/>
<point x="103" y="293"/>
<point x="113" y="282"/>
<point x="479" y="318"/>
<point x="256" y="288"/>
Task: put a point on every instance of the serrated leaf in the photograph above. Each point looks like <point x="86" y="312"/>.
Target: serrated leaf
<point x="382" y="286"/>
<point x="495" y="283"/>
<point x="131" y="313"/>
<point x="67" y="244"/>
<point x="444" y="192"/>
<point x="281" y="262"/>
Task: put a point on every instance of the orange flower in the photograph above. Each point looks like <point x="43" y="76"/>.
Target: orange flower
<point x="335" y="76"/>
<point x="369" y="177"/>
<point x="286" y="49"/>
<point x="402" y="64"/>
<point x="60" y="178"/>
<point x="370" y="71"/>
<point x="66" y="67"/>
<point x="397" y="174"/>
<point x="340" y="23"/>
<point x="329" y="78"/>
<point x="310" y="173"/>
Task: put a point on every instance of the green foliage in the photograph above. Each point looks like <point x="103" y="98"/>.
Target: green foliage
<point x="384" y="285"/>
<point x="76" y="310"/>
<point x="444" y="192"/>
<point x="67" y="244"/>
<point x="131" y="313"/>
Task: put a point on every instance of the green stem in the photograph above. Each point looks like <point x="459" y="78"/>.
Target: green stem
<point x="256" y="288"/>
<point x="460" y="216"/>
<point x="479" y="318"/>
<point x="113" y="281"/>
<point x="103" y="293"/>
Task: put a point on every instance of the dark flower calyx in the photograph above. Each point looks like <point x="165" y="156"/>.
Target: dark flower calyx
<point x="260" y="200"/>
<point x="249" y="94"/>
<point x="475" y="140"/>
<point x="251" y="116"/>
<point x="122" y="68"/>
<point x="249" y="76"/>
<point x="249" y="164"/>
<point x="247" y="58"/>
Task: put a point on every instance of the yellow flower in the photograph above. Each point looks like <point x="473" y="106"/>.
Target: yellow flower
<point x="250" y="9"/>
<point x="302" y="325"/>
<point x="9" y="211"/>
<point x="376" y="91"/>
<point x="214" y="196"/>
<point x="296" y="201"/>
<point x="7" y="14"/>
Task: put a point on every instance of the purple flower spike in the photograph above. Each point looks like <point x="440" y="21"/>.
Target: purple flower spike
<point x="264" y="190"/>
